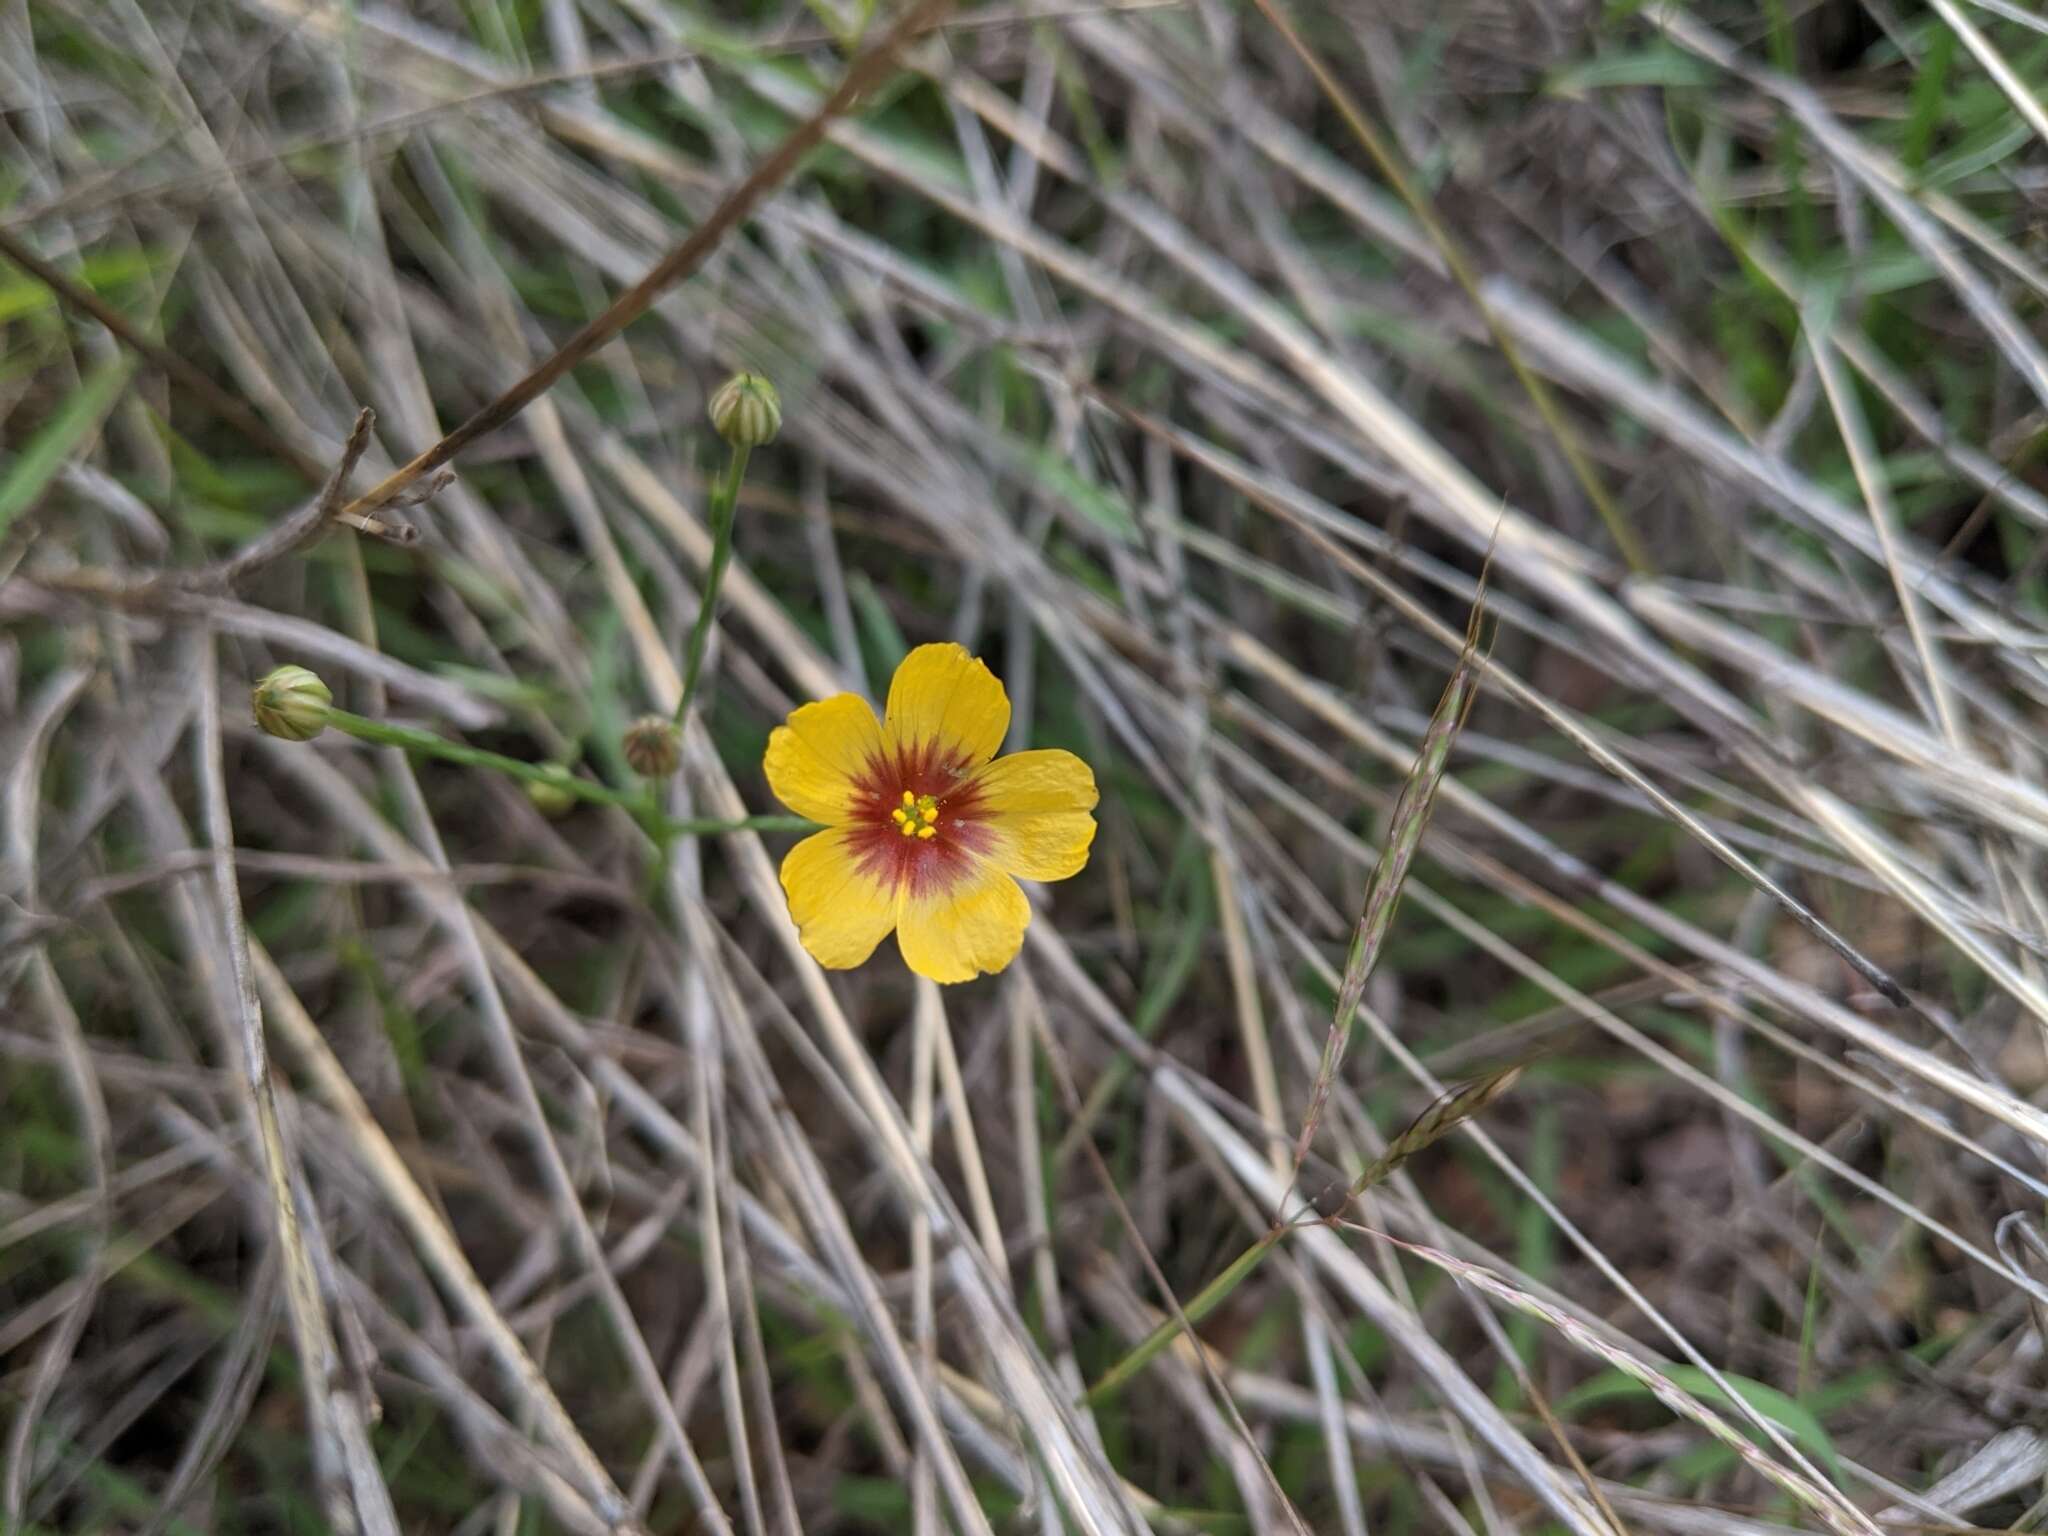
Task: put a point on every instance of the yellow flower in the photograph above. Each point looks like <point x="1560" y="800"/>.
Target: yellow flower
<point x="926" y="830"/>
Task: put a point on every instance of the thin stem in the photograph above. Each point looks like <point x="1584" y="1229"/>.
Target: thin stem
<point x="1212" y="1295"/>
<point x="708" y="826"/>
<point x="725" y="497"/>
<point x="427" y="744"/>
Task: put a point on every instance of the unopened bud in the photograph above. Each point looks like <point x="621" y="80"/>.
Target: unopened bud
<point x="653" y="746"/>
<point x="746" y="411"/>
<point x="291" y="703"/>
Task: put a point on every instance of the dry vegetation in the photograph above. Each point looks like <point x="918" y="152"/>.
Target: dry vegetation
<point x="378" y="1155"/>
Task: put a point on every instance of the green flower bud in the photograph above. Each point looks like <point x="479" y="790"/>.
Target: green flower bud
<point x="653" y="746"/>
<point x="291" y="703"/>
<point x="552" y="797"/>
<point x="746" y="411"/>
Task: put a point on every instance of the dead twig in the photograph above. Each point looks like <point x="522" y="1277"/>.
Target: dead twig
<point x="305" y="526"/>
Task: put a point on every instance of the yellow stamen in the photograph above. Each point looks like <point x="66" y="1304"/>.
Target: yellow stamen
<point x="918" y="816"/>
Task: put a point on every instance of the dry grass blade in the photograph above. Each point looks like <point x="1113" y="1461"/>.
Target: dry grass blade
<point x="1887" y="185"/>
<point x="76" y="296"/>
<point x="560" y="1184"/>
<point x="2015" y="89"/>
<point x="81" y="1081"/>
<point x="1576" y="731"/>
<point x="1869" y="477"/>
<point x="237" y="1380"/>
<point x="1832" y="1508"/>
<point x="335" y="1414"/>
<point x="427" y="1227"/>
<point x="275" y="544"/>
<point x="1254" y="1473"/>
<point x="1387" y="159"/>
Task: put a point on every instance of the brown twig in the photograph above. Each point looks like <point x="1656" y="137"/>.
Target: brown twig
<point x="865" y="72"/>
<point x="266" y="549"/>
<point x="300" y="528"/>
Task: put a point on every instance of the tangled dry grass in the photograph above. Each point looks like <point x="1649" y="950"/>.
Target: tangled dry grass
<point x="377" y="1154"/>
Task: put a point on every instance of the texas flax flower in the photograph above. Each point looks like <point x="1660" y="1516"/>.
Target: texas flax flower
<point x="927" y="831"/>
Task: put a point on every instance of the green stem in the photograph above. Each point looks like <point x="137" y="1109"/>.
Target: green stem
<point x="725" y="498"/>
<point x="1442" y="1117"/>
<point x="703" y="826"/>
<point x="427" y="744"/>
<point x="1207" y="1300"/>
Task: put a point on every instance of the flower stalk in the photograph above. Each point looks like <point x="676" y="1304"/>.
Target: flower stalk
<point x="747" y="414"/>
<point x="427" y="744"/>
<point x="725" y="498"/>
<point x="306" y="701"/>
<point x="549" y="775"/>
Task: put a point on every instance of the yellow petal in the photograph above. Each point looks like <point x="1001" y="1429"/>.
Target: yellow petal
<point x="812" y="761"/>
<point x="842" y="911"/>
<point x="947" y="704"/>
<point x="1037" y="805"/>
<point x="972" y="925"/>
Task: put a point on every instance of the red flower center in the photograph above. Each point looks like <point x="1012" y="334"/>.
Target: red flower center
<point x="918" y="819"/>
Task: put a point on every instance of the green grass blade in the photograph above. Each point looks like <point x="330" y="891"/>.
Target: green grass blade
<point x="23" y="482"/>
<point x="1786" y="1412"/>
